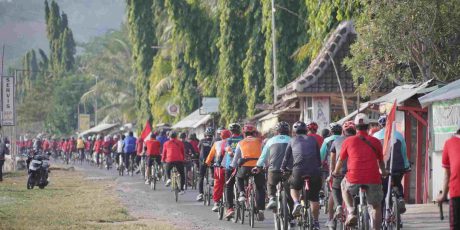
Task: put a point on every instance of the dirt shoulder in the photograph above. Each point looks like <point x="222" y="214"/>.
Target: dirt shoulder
<point x="71" y="201"/>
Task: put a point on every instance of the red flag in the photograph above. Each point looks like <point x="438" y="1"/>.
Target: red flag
<point x="147" y="130"/>
<point x="387" y="142"/>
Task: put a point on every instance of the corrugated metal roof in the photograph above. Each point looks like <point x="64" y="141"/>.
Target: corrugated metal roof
<point x="98" y="129"/>
<point x="450" y="91"/>
<point x="404" y="92"/>
<point x="193" y="120"/>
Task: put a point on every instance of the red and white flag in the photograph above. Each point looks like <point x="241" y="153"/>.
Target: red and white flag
<point x="390" y="138"/>
<point x="145" y="135"/>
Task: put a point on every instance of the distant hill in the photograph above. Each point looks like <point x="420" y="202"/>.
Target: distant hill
<point x="22" y="23"/>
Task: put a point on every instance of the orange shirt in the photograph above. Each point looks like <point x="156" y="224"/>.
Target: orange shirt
<point x="251" y="147"/>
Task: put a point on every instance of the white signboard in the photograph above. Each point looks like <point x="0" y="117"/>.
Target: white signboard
<point x="173" y="110"/>
<point x="321" y="112"/>
<point x="8" y="106"/>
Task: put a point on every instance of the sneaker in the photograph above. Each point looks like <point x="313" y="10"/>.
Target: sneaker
<point x="229" y="213"/>
<point x="330" y="224"/>
<point x="147" y="182"/>
<point x="215" y="208"/>
<point x="271" y="203"/>
<point x="242" y="197"/>
<point x="401" y="205"/>
<point x="296" y="211"/>
<point x="182" y="192"/>
<point x="260" y="216"/>
<point x="199" y="197"/>
<point x="168" y="183"/>
<point x="351" y="220"/>
<point x="316" y="225"/>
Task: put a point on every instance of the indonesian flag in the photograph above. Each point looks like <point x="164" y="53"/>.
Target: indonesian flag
<point x="390" y="137"/>
<point x="145" y="135"/>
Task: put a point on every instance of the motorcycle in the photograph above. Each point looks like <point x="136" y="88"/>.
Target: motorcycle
<point x="38" y="172"/>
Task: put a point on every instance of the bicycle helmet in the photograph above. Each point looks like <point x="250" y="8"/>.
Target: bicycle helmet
<point x="282" y="127"/>
<point x="219" y="130"/>
<point x="335" y="128"/>
<point x="249" y="128"/>
<point x="299" y="127"/>
<point x="225" y="134"/>
<point x="311" y="125"/>
<point x="349" y="125"/>
<point x="209" y="131"/>
<point x="234" y="128"/>
<point x="382" y="120"/>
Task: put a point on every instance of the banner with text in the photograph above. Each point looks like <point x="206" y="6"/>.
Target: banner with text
<point x="8" y="103"/>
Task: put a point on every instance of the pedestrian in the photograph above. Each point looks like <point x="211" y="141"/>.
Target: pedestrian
<point x="451" y="165"/>
<point x="3" y="151"/>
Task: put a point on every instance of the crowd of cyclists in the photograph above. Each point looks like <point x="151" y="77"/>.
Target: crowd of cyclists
<point x="241" y="164"/>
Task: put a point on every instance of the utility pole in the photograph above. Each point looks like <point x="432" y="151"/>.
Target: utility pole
<point x="95" y="111"/>
<point x="275" y="86"/>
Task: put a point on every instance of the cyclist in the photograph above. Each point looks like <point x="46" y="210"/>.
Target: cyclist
<point x="226" y="160"/>
<point x="152" y="150"/>
<point x="217" y="152"/>
<point x="302" y="157"/>
<point x="348" y="129"/>
<point x="335" y="132"/>
<point x="139" y="153"/>
<point x="163" y="137"/>
<point x="247" y="153"/>
<point x="362" y="153"/>
<point x="312" y="128"/>
<point x="400" y="162"/>
<point x="107" y="149"/>
<point x="119" y="150"/>
<point x="194" y="141"/>
<point x="272" y="157"/>
<point x="81" y="147"/>
<point x="98" y="149"/>
<point x="205" y="147"/>
<point x="129" y="148"/>
<point x="173" y="155"/>
<point x="189" y="153"/>
<point x="451" y="183"/>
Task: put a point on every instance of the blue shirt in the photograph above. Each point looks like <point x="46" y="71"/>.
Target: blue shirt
<point x="400" y="141"/>
<point x="324" y="148"/>
<point x="232" y="142"/>
<point x="129" y="144"/>
<point x="162" y="139"/>
<point x="273" y="152"/>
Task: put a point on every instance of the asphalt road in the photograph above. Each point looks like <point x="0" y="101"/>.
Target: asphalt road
<point x="144" y="203"/>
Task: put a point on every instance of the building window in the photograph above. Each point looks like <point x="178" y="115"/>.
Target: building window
<point x="309" y="107"/>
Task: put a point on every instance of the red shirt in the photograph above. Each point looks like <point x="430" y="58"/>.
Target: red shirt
<point x="46" y="145"/>
<point x="318" y="138"/>
<point x="195" y="145"/>
<point x="153" y="147"/>
<point x="362" y="160"/>
<point x="139" y="146"/>
<point x="173" y="150"/>
<point x="87" y="145"/>
<point x="98" y="146"/>
<point x="451" y="161"/>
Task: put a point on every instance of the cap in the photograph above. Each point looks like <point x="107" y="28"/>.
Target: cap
<point x="361" y="119"/>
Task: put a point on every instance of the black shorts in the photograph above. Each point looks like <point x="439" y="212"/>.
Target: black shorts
<point x="154" y="158"/>
<point x="297" y="180"/>
<point x="454" y="213"/>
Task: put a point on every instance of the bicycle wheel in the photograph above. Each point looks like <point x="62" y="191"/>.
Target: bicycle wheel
<point x="364" y="218"/>
<point x="221" y="209"/>
<point x="153" y="177"/>
<point x="309" y="219"/>
<point x="396" y="221"/>
<point x="237" y="214"/>
<point x="243" y="210"/>
<point x="252" y="208"/>
<point x="284" y="211"/>
<point x="209" y="187"/>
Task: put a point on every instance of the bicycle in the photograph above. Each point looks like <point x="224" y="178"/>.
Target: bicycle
<point x="130" y="164"/>
<point x="392" y="218"/>
<point x="175" y="183"/>
<point x="207" y="189"/>
<point x="340" y="216"/>
<point x="121" y="165"/>
<point x="360" y="201"/>
<point x="305" y="219"/>
<point x="142" y="166"/>
<point x="282" y="213"/>
<point x="154" y="175"/>
<point x="108" y="161"/>
<point x="81" y="156"/>
<point x="195" y="173"/>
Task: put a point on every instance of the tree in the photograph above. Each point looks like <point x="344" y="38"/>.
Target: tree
<point x="406" y="41"/>
<point x="142" y="36"/>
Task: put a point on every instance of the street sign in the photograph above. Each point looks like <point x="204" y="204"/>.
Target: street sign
<point x="8" y="103"/>
<point x="83" y="122"/>
<point x="173" y="110"/>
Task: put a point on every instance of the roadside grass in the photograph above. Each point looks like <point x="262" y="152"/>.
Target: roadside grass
<point x="68" y="202"/>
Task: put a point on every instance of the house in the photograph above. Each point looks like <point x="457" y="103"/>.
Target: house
<point x="324" y="92"/>
<point x="412" y="122"/>
<point x="443" y="119"/>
